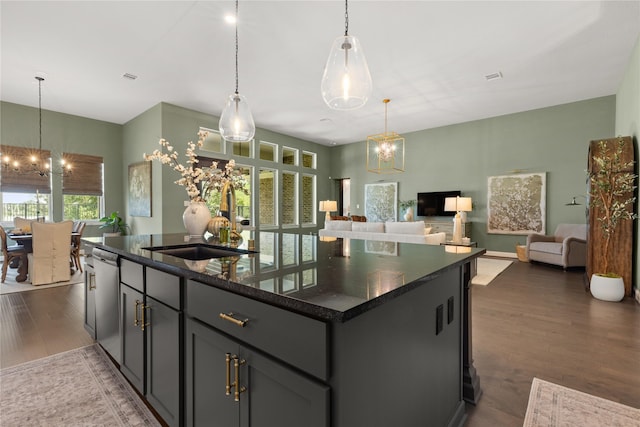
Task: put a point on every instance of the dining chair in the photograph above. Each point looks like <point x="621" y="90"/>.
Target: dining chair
<point x="49" y="262"/>
<point x="78" y="227"/>
<point x="22" y="223"/>
<point x="9" y="253"/>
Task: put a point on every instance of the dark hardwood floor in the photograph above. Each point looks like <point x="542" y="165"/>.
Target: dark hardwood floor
<point x="531" y="321"/>
<point x="535" y="320"/>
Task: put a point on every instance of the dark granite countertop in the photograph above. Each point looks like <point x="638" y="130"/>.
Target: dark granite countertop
<point x="327" y="280"/>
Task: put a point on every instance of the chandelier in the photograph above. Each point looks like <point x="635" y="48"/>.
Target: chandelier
<point x="37" y="162"/>
<point x="385" y="151"/>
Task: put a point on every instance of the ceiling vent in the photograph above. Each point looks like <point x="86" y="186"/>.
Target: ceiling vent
<point x="129" y="76"/>
<point x="493" y="76"/>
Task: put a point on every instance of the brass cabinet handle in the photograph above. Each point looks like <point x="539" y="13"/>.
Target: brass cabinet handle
<point x="143" y="323"/>
<point x="136" y="322"/>
<point x="238" y="388"/>
<point x="229" y="317"/>
<point x="227" y="386"/>
<point x="92" y="281"/>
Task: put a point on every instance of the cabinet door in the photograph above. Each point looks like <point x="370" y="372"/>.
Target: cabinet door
<point x="132" y="336"/>
<point x="163" y="360"/>
<point x="278" y="396"/>
<point x="207" y="403"/>
<point x="90" y="301"/>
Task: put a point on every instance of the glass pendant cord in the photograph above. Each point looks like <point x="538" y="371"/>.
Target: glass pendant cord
<point x="236" y="122"/>
<point x="40" y="79"/>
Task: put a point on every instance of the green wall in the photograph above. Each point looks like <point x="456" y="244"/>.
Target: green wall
<point x="628" y="123"/>
<point x="72" y="134"/>
<point x="554" y="140"/>
<point x="179" y="126"/>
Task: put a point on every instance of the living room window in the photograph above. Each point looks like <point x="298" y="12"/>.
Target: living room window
<point x="308" y="199"/>
<point x="267" y="194"/>
<point x="82" y="189"/>
<point x="289" y="202"/>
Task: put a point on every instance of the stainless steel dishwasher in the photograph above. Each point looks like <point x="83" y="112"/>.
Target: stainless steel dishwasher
<point x="107" y="294"/>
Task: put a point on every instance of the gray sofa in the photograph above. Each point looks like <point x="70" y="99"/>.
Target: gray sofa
<point x="567" y="247"/>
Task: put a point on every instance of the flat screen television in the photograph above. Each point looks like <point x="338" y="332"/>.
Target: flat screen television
<point x="432" y="204"/>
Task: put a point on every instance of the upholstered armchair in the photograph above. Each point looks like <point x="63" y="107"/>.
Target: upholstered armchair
<point x="567" y="247"/>
<point x="49" y="262"/>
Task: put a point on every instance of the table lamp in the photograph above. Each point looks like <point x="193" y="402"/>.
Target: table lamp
<point x="457" y="204"/>
<point x="328" y="206"/>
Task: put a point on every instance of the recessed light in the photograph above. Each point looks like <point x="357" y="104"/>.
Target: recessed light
<point x="493" y="76"/>
<point x="129" y="76"/>
<point x="230" y="19"/>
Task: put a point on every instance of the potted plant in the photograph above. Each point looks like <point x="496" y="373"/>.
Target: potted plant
<point x="114" y="224"/>
<point x="612" y="188"/>
<point x="407" y="206"/>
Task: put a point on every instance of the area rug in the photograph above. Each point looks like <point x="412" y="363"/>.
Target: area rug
<point x="10" y="285"/>
<point x="488" y="269"/>
<point x="552" y="405"/>
<point x="80" y="387"/>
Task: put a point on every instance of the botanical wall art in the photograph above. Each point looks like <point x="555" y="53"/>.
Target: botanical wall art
<point x="381" y="201"/>
<point x="516" y="204"/>
<point x="140" y="189"/>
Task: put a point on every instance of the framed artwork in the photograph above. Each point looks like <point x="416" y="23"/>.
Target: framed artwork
<point x="516" y="204"/>
<point x="381" y="201"/>
<point x="140" y="189"/>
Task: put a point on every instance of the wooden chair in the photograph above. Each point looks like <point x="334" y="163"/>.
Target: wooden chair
<point x="9" y="253"/>
<point x="49" y="262"/>
<point x="78" y="227"/>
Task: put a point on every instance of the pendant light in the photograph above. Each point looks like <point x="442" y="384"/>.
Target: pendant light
<point x="385" y="151"/>
<point x="346" y="82"/>
<point x="236" y="122"/>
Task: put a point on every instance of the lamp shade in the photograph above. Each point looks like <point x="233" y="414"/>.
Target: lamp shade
<point x="328" y="206"/>
<point x="457" y="204"/>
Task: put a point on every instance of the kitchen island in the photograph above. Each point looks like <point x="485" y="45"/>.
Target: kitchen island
<point x="297" y="332"/>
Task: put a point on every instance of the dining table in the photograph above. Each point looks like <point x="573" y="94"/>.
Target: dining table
<point x="26" y="240"/>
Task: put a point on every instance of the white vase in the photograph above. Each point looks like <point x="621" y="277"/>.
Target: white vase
<point x="607" y="288"/>
<point x="196" y="218"/>
<point x="408" y="215"/>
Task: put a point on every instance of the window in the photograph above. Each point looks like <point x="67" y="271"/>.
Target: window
<point x="289" y="156"/>
<point x="267" y="194"/>
<point x="242" y="149"/>
<point x="309" y="159"/>
<point x="308" y="199"/>
<point x="268" y="151"/>
<point x="213" y="142"/>
<point x="289" y="200"/>
<point x="25" y="205"/>
<point x="82" y="189"/>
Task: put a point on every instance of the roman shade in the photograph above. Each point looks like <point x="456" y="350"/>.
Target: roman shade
<point x="86" y="176"/>
<point x="22" y="180"/>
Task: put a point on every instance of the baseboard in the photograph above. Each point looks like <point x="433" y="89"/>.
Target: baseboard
<point x="501" y="254"/>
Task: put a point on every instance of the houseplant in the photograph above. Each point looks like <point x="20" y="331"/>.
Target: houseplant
<point x="407" y="206"/>
<point x="114" y="224"/>
<point x="612" y="185"/>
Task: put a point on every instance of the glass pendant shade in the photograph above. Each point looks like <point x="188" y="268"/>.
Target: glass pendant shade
<point x="346" y="82"/>
<point x="236" y="122"/>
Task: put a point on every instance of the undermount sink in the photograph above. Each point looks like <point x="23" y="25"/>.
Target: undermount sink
<point x="197" y="252"/>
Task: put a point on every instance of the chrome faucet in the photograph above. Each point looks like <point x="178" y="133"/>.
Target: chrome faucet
<point x="234" y="236"/>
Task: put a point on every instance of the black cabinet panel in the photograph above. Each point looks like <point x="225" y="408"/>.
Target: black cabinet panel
<point x="132" y="336"/>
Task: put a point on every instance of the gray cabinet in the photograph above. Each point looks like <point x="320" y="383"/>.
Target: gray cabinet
<point x="152" y="337"/>
<point x="228" y="384"/>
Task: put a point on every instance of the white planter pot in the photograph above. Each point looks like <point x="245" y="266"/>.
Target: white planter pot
<point x="607" y="288"/>
<point x="196" y="218"/>
<point x="408" y="216"/>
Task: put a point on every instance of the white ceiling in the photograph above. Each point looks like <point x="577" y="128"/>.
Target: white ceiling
<point x="428" y="57"/>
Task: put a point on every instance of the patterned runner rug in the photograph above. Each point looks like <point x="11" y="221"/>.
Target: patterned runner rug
<point x="552" y="405"/>
<point x="77" y="388"/>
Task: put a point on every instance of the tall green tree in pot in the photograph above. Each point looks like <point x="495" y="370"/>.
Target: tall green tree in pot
<point x="612" y="188"/>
